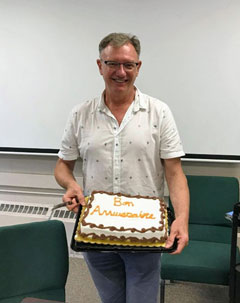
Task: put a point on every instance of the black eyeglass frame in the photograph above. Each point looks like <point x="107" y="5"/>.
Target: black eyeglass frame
<point x="117" y="64"/>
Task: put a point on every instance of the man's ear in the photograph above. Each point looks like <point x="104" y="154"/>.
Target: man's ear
<point x="99" y="63"/>
<point x="139" y="66"/>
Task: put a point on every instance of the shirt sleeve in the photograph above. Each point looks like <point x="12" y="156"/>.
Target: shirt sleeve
<point x="69" y="144"/>
<point x="171" y="145"/>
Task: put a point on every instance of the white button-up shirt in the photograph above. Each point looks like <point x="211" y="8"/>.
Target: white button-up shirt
<point x="125" y="158"/>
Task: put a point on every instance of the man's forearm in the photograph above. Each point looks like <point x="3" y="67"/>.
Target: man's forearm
<point x="178" y="187"/>
<point x="64" y="173"/>
<point x="64" y="176"/>
<point x="179" y="195"/>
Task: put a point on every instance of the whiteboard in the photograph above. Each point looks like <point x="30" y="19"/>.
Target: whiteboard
<point x="190" y="54"/>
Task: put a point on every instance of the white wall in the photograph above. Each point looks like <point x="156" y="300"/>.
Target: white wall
<point x="27" y="178"/>
<point x="190" y="54"/>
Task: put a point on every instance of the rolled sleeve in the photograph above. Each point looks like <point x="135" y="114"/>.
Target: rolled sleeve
<point x="69" y="145"/>
<point x="171" y="145"/>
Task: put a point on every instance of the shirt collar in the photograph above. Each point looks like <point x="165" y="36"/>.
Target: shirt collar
<point x="138" y="103"/>
<point x="101" y="104"/>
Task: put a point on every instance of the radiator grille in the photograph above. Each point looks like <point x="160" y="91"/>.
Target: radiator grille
<point x="8" y="208"/>
<point x="64" y="214"/>
<point x="35" y="210"/>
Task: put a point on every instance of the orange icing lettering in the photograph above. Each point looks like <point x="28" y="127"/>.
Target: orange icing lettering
<point x="128" y="203"/>
<point x="140" y="215"/>
<point x="96" y="209"/>
<point x="117" y="202"/>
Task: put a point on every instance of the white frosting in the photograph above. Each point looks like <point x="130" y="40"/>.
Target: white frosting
<point x="146" y="211"/>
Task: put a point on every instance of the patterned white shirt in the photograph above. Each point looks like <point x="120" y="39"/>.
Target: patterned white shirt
<point x="124" y="158"/>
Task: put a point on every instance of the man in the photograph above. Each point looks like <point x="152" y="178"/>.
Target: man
<point x="127" y="142"/>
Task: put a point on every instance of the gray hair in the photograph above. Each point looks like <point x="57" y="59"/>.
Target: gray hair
<point x="118" y="40"/>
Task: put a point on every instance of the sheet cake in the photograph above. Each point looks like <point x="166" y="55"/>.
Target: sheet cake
<point x="118" y="219"/>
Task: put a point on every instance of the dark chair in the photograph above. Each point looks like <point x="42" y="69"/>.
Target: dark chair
<point x="207" y="257"/>
<point x="33" y="261"/>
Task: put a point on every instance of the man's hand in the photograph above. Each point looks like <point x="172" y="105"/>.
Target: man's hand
<point x="74" y="195"/>
<point x="179" y="230"/>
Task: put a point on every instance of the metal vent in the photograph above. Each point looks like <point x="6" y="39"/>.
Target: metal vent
<point x="41" y="211"/>
<point x="24" y="209"/>
<point x="64" y="215"/>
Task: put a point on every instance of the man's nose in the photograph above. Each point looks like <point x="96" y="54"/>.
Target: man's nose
<point x="121" y="70"/>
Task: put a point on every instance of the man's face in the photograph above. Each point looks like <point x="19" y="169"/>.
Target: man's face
<point x="119" y="78"/>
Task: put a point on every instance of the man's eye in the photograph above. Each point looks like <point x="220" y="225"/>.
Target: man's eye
<point x="129" y="65"/>
<point x="112" y="64"/>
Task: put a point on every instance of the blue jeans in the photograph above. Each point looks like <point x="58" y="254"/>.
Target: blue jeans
<point x="122" y="277"/>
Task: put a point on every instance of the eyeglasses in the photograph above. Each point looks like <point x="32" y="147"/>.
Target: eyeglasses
<point x="126" y="65"/>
